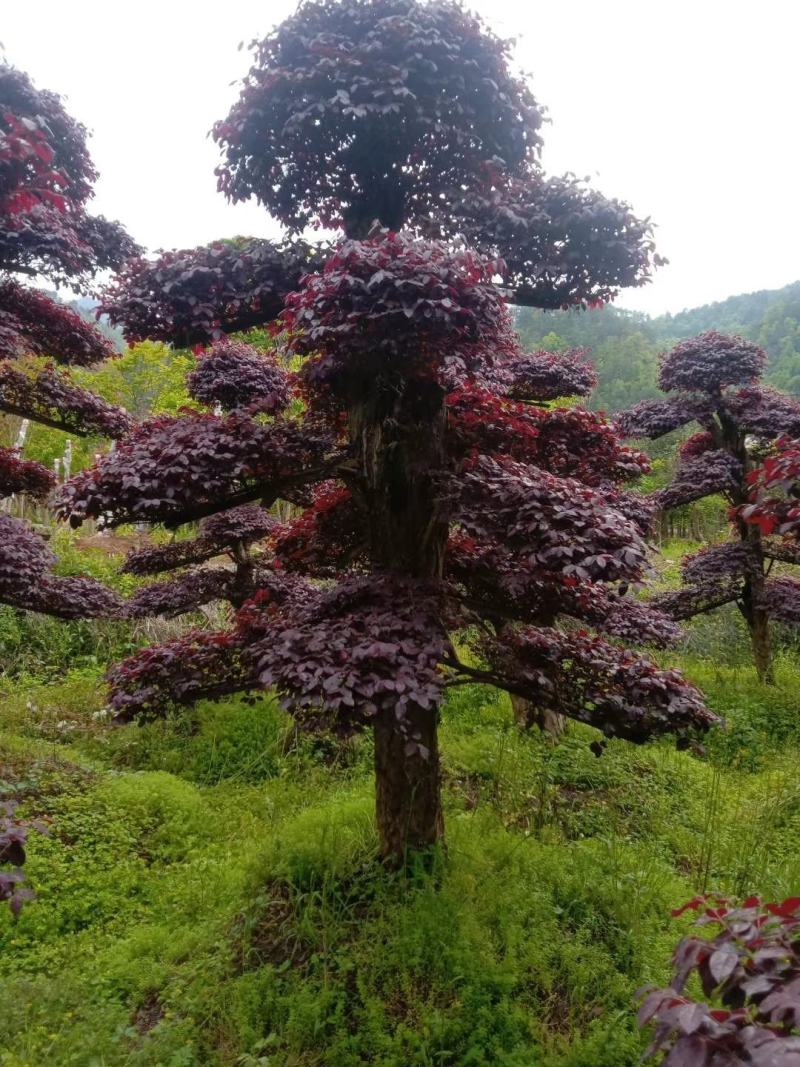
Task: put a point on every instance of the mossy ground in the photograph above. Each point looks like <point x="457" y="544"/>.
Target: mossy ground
<point x="207" y="893"/>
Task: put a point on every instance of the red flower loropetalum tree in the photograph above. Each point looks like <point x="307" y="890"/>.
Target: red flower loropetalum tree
<point x="440" y="492"/>
<point x="46" y="178"/>
<point x="439" y="498"/>
<point x="713" y="380"/>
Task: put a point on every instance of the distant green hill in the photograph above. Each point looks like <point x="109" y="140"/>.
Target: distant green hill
<point x="625" y="344"/>
<point x="85" y="307"/>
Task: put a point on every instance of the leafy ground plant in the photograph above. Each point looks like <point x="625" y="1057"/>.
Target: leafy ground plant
<point x="13" y="836"/>
<point x="749" y="974"/>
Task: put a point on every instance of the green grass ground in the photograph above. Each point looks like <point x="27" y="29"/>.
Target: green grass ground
<point x="207" y="893"/>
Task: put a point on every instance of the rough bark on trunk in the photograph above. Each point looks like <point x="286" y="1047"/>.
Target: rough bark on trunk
<point x="408" y="801"/>
<point x="755" y="617"/>
<point x="762" y="647"/>
<point x="757" y="622"/>
<point x="397" y="429"/>
<point x="526" y="715"/>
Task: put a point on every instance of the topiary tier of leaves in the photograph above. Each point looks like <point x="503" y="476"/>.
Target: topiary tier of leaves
<point x="197" y="295"/>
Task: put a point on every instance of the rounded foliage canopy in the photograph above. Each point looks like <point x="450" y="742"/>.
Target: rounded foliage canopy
<point x="372" y="109"/>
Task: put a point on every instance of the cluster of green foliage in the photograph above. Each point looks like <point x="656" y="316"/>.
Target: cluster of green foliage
<point x="625" y="344"/>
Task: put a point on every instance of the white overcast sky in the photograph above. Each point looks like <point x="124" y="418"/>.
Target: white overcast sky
<point x="688" y="109"/>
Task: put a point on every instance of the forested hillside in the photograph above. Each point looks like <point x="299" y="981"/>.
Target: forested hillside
<point x="625" y="344"/>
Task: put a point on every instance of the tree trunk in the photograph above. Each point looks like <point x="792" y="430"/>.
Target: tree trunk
<point x="526" y="715"/>
<point x="408" y="801"/>
<point x="734" y="440"/>
<point x="758" y="626"/>
<point x="397" y="430"/>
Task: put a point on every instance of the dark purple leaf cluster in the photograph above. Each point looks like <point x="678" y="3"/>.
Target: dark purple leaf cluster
<point x="26" y="581"/>
<point x="542" y="375"/>
<point x="196" y="295"/>
<point x="234" y="375"/>
<point x="560" y="243"/>
<point x="654" y="418"/>
<point x="764" y="412"/>
<point x="553" y="524"/>
<point x="153" y="559"/>
<point x="709" y="362"/>
<point x="575" y="443"/>
<point x="13" y="837"/>
<point x="749" y="973"/>
<point x="238" y="526"/>
<point x="782" y="549"/>
<point x="328" y="538"/>
<point x="50" y="397"/>
<point x="19" y="475"/>
<point x="24" y="558"/>
<point x="586" y="678"/>
<point x="392" y="304"/>
<point x="188" y="592"/>
<point x="71" y="598"/>
<point x="714" y="576"/>
<point x="173" y="469"/>
<point x="366" y="645"/>
<point x="713" y="472"/>
<point x="218" y="533"/>
<point x="200" y="665"/>
<point x="485" y="365"/>
<point x="697" y="599"/>
<point x="718" y="563"/>
<point x="372" y="109"/>
<point x="69" y="250"/>
<point x="782" y="600"/>
<point x="497" y="584"/>
<point x="640" y="508"/>
<point x="633" y="621"/>
<point x="32" y="323"/>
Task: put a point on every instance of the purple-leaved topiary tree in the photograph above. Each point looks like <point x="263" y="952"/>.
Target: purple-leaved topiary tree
<point x="713" y="380"/>
<point x="441" y="494"/>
